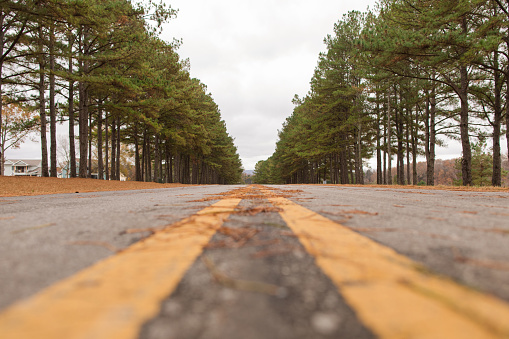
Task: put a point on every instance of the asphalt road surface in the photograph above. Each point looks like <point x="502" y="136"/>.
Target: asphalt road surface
<point x="256" y="262"/>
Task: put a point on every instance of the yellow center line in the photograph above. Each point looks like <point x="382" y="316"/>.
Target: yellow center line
<point x="392" y="295"/>
<point x="116" y="296"/>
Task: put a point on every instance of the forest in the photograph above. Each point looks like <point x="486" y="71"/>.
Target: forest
<point x="394" y="83"/>
<point x="100" y="67"/>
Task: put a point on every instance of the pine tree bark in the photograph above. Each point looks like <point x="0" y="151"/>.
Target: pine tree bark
<point x="384" y="153"/>
<point x="430" y="136"/>
<point x="89" y="174"/>
<point x="507" y="108"/>
<point x="379" y="179"/>
<point x="106" y="147"/>
<point x="389" y="143"/>
<point x="113" y="168"/>
<point x="52" y="107"/>
<point x="408" y="119"/>
<point x="156" y="160"/>
<point x="42" y="105"/>
<point x="100" y="163"/>
<point x="496" y="178"/>
<point x="414" y="146"/>
<point x="83" y="109"/>
<point x="466" y="160"/>
<point x="168" y="163"/>
<point x="359" y="171"/>
<point x="72" y="146"/>
<point x="118" y="149"/>
<point x="137" y="164"/>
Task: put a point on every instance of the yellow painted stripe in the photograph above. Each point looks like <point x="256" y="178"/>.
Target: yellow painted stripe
<point x="392" y="295"/>
<point x="113" y="298"/>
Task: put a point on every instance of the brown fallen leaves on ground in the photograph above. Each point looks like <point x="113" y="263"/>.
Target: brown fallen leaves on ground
<point x="19" y="186"/>
<point x="256" y="210"/>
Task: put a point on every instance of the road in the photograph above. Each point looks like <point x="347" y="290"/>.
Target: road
<point x="256" y="262"/>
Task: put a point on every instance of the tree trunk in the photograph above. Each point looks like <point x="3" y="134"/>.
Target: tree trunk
<point x="408" y="122"/>
<point x="168" y="163"/>
<point x="466" y="160"/>
<point x="384" y="153"/>
<point x="156" y="160"/>
<point x="89" y="145"/>
<point x="42" y="106"/>
<point x="100" y="163"/>
<point x="83" y="111"/>
<point x="379" y="179"/>
<point x="113" y="168"/>
<point x="350" y="167"/>
<point x="72" y="146"/>
<point x="496" y="178"/>
<point x="430" y="133"/>
<point x="359" y="171"/>
<point x="143" y="156"/>
<point x="137" y="164"/>
<point x="414" y="146"/>
<point x="389" y="135"/>
<point x="106" y="147"/>
<point x="118" y="149"/>
<point x="148" y="160"/>
<point x="52" y="107"/>
<point x="507" y="108"/>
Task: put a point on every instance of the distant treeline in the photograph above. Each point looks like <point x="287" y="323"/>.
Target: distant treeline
<point x="100" y="65"/>
<point x="391" y="82"/>
<point x="448" y="172"/>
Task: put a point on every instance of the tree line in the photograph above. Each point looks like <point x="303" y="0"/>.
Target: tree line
<point x="394" y="83"/>
<point x="100" y="65"/>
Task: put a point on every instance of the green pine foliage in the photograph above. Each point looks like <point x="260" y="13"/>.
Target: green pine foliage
<point x="128" y="91"/>
<point x="394" y="84"/>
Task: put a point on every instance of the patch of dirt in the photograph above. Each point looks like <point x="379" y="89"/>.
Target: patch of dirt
<point x="21" y="186"/>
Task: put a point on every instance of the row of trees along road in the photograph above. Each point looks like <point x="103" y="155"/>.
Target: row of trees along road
<point x="390" y="84"/>
<point x="101" y="65"/>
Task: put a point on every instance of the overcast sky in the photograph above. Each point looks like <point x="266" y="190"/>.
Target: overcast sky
<point x="254" y="56"/>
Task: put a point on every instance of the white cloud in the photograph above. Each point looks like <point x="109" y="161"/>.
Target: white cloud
<point x="254" y="57"/>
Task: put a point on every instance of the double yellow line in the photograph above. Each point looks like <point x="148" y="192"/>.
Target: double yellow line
<point x="393" y="296"/>
<point x="116" y="296"/>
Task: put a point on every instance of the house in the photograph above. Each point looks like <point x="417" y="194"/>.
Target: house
<point x="22" y="167"/>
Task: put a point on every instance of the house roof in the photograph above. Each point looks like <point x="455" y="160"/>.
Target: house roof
<point x="24" y="162"/>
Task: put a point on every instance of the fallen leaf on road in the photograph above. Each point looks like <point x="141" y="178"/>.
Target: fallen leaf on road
<point x="6" y="218"/>
<point x="496" y="265"/>
<point x="96" y="243"/>
<point x="256" y="210"/>
<point x="276" y="251"/>
<point x="359" y="212"/>
<point x="141" y="230"/>
<point x="490" y="230"/>
<point x="32" y="228"/>
<point x="374" y="229"/>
